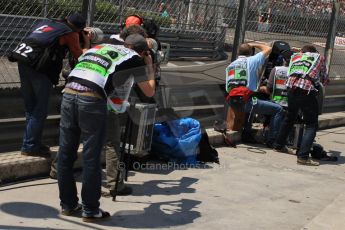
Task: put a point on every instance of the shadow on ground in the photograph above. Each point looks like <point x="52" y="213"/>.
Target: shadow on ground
<point x="157" y="215"/>
<point x="164" y="187"/>
<point x="33" y="211"/>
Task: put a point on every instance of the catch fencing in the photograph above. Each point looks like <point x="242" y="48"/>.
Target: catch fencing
<point x="185" y="23"/>
<point x="297" y="22"/>
<point x="181" y="21"/>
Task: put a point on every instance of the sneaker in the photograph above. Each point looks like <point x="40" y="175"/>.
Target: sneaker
<point x="284" y="149"/>
<point x="101" y="215"/>
<point x="53" y="174"/>
<point x="219" y="126"/>
<point x="71" y="212"/>
<point x="308" y="162"/>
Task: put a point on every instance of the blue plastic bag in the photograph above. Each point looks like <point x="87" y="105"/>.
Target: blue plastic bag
<point x="177" y="140"/>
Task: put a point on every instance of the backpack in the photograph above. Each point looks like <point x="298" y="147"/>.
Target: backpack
<point x="40" y="49"/>
<point x="207" y="153"/>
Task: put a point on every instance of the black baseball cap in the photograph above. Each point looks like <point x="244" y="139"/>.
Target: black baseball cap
<point x="138" y="42"/>
<point x="77" y="20"/>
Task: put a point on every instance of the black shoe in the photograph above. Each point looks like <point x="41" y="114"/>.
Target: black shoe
<point x="270" y="144"/>
<point x="219" y="126"/>
<point x="101" y="215"/>
<point x="44" y="148"/>
<point x="248" y="138"/>
<point x="324" y="157"/>
<point x="71" y="212"/>
<point x="283" y="149"/>
<point x="37" y="154"/>
<point x="126" y="191"/>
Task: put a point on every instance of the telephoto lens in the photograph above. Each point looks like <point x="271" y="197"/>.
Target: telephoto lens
<point x="96" y="35"/>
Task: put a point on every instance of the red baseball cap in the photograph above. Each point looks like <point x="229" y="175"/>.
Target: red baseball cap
<point x="133" y="20"/>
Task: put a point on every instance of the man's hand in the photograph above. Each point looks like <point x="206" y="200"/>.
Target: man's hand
<point x="149" y="65"/>
<point x="86" y="37"/>
<point x="266" y="49"/>
<point x="148" y="87"/>
<point x="264" y="89"/>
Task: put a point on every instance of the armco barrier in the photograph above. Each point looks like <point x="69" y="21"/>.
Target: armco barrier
<point x="200" y="101"/>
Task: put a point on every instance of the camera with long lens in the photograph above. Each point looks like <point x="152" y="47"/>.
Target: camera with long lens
<point x="96" y="35"/>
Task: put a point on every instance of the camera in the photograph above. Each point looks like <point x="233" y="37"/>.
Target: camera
<point x="96" y="34"/>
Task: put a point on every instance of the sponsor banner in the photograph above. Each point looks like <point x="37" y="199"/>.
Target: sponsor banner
<point x="339" y="41"/>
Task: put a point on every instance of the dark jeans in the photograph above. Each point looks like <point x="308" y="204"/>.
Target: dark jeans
<point x="299" y="100"/>
<point x="35" y="88"/>
<point x="81" y="117"/>
<point x="265" y="108"/>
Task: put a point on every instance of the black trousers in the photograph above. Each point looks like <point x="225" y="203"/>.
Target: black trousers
<point x="300" y="100"/>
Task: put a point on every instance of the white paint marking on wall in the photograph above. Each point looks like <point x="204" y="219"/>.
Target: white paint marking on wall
<point x="171" y="64"/>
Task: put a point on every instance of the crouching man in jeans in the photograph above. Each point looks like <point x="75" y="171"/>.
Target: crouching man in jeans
<point x="243" y="81"/>
<point x="306" y="70"/>
<point x="84" y="116"/>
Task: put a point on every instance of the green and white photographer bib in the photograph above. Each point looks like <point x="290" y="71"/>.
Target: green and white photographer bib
<point x="100" y="61"/>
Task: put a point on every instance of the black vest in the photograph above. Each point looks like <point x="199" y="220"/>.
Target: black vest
<point x="41" y="49"/>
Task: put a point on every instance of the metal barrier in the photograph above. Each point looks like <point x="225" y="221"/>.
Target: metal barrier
<point x="201" y="19"/>
<point x="200" y="101"/>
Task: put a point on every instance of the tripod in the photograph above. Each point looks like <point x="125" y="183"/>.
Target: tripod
<point x="126" y="139"/>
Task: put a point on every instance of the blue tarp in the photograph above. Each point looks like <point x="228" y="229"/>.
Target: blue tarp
<point x="177" y="140"/>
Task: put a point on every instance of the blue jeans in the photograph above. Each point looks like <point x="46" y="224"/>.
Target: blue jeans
<point x="307" y="103"/>
<point x="84" y="118"/>
<point x="265" y="108"/>
<point x="35" y="88"/>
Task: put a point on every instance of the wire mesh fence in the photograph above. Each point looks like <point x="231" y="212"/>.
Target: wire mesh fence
<point x="17" y="19"/>
<point x="201" y="19"/>
<point x="298" y="22"/>
<point x="280" y="20"/>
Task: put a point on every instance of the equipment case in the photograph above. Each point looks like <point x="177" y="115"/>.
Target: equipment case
<point x="143" y="117"/>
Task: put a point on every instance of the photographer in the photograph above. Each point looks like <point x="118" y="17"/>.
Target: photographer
<point x="87" y="35"/>
<point x="39" y="59"/>
<point x="306" y="71"/>
<point x="242" y="82"/>
<point x="112" y="150"/>
<point x="84" y="115"/>
<point x="276" y="89"/>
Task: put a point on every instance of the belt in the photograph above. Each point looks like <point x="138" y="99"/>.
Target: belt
<point x="85" y="93"/>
